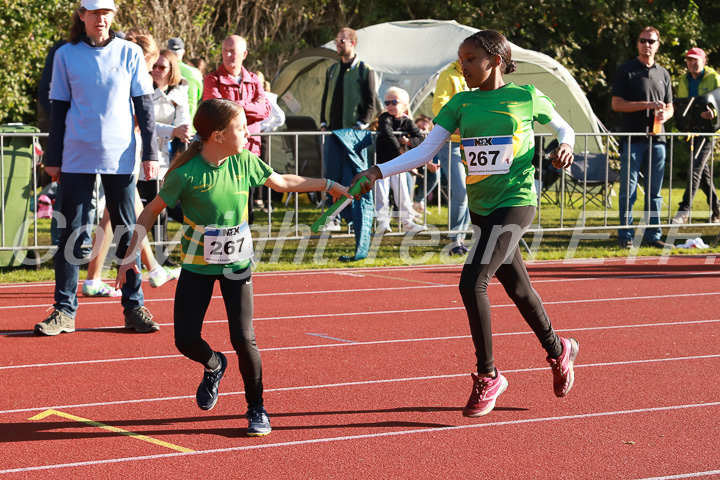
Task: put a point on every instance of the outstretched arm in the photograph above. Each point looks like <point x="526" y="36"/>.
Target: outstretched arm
<point x="295" y="183"/>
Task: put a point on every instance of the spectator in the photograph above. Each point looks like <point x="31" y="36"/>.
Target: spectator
<point x="643" y="94"/>
<point x="449" y="83"/>
<point x="348" y="101"/>
<point x="233" y="82"/>
<point x="432" y="169"/>
<point x="97" y="82"/>
<point x="390" y="145"/>
<point x="198" y="63"/>
<point x="193" y="75"/>
<point x="699" y="80"/>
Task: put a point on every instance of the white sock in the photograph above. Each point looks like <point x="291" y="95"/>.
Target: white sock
<point x="92" y="283"/>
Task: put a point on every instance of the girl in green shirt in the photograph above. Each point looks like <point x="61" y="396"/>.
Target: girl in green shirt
<point x="495" y="122"/>
<point x="212" y="180"/>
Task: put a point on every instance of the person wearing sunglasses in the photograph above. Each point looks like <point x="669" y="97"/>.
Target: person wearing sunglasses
<point x="642" y="93"/>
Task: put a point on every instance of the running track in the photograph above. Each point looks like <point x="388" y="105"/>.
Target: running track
<point x="366" y="372"/>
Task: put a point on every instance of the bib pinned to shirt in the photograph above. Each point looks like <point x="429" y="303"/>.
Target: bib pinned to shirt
<point x="488" y="155"/>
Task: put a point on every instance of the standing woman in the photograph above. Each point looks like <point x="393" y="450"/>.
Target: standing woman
<point x="212" y="181"/>
<point x="98" y="81"/>
<point x="495" y="123"/>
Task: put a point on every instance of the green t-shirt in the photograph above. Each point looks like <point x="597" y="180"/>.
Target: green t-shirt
<point x="506" y="111"/>
<point x="195" y="87"/>
<point x="212" y="196"/>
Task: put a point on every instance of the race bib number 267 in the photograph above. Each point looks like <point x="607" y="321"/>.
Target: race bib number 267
<point x="488" y="155"/>
<point x="228" y="244"/>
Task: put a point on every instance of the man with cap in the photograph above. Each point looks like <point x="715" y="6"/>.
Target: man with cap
<point x="189" y="73"/>
<point x="642" y="93"/>
<point x="699" y="80"/>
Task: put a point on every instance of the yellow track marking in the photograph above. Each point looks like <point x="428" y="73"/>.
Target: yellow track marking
<point x="93" y="423"/>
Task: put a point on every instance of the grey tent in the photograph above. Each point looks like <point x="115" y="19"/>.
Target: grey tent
<point x="411" y="55"/>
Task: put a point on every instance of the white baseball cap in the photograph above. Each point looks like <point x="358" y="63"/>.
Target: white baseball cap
<point x="98" y="5"/>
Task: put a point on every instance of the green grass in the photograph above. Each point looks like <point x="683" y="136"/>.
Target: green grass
<point x="422" y="248"/>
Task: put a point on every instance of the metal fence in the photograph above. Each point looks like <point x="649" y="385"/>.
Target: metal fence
<point x="583" y="195"/>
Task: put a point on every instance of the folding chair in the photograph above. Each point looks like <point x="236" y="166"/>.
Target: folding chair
<point x="591" y="171"/>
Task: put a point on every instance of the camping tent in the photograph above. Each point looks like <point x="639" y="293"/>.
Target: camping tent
<point x="411" y="55"/>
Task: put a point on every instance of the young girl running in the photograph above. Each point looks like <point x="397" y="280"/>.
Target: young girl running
<point x="211" y="180"/>
<point x="495" y="123"/>
<point x="390" y="145"/>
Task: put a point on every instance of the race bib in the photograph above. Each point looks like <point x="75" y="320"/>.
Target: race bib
<point x="225" y="245"/>
<point x="488" y="155"/>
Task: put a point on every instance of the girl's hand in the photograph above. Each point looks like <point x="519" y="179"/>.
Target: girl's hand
<point x="563" y="156"/>
<point x="372" y="175"/>
<point x="433" y="167"/>
<point x="338" y="191"/>
<point x="122" y="271"/>
<point x="183" y="133"/>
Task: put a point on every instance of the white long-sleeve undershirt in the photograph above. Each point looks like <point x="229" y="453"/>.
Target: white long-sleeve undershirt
<point x="438" y="137"/>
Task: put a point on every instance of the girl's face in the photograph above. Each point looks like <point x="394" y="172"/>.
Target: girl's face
<point x="477" y="64"/>
<point x="394" y="105"/>
<point x="97" y="23"/>
<point x="236" y="135"/>
<point x="161" y="70"/>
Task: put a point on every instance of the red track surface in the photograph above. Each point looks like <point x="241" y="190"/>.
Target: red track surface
<point x="366" y="373"/>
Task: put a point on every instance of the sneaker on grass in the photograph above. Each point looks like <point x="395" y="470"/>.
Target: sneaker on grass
<point x="562" y="367"/>
<point x="258" y="421"/>
<point x="164" y="275"/>
<point x="57" y="323"/>
<point x="207" y="392"/>
<point x="484" y="394"/>
<point x="141" y="320"/>
<point x="102" y="289"/>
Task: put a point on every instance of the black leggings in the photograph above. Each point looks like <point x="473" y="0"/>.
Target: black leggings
<point x="192" y="298"/>
<point x="496" y="252"/>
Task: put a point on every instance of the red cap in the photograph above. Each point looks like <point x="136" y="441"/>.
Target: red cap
<point x="695" y="52"/>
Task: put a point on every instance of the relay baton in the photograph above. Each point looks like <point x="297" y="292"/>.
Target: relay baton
<point x="340" y="204"/>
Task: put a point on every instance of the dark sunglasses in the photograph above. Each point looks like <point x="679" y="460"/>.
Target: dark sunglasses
<point x="649" y="41"/>
<point x="391" y="102"/>
<point x="162" y="68"/>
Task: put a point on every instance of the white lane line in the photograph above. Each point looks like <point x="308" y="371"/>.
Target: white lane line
<point x="368" y="436"/>
<point x="685" y="475"/>
<point x="353" y="384"/>
<point x="360" y="343"/>
<point x="417" y="310"/>
<point x="413" y="287"/>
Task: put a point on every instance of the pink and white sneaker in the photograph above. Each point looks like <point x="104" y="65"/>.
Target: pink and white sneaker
<point x="562" y="367"/>
<point x="484" y="394"/>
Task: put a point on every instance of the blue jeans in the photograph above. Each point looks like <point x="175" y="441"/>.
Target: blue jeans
<point x="451" y="164"/>
<point x="76" y="194"/>
<point x="651" y="162"/>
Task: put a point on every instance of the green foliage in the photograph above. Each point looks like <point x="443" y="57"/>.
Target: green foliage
<point x="590" y="37"/>
<point x="28" y="28"/>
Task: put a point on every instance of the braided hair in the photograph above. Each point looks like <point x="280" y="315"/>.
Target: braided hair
<point x="494" y="43"/>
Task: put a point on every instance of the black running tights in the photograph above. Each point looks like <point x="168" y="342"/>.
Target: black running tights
<point x="496" y="252"/>
<point x="192" y="298"/>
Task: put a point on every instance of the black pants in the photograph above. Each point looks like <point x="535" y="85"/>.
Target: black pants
<point x="148" y="190"/>
<point x="192" y="298"/>
<point x="701" y="178"/>
<point x="496" y="252"/>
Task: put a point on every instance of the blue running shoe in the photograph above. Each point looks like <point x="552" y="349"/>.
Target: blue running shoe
<point x="258" y="421"/>
<point x="207" y="392"/>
